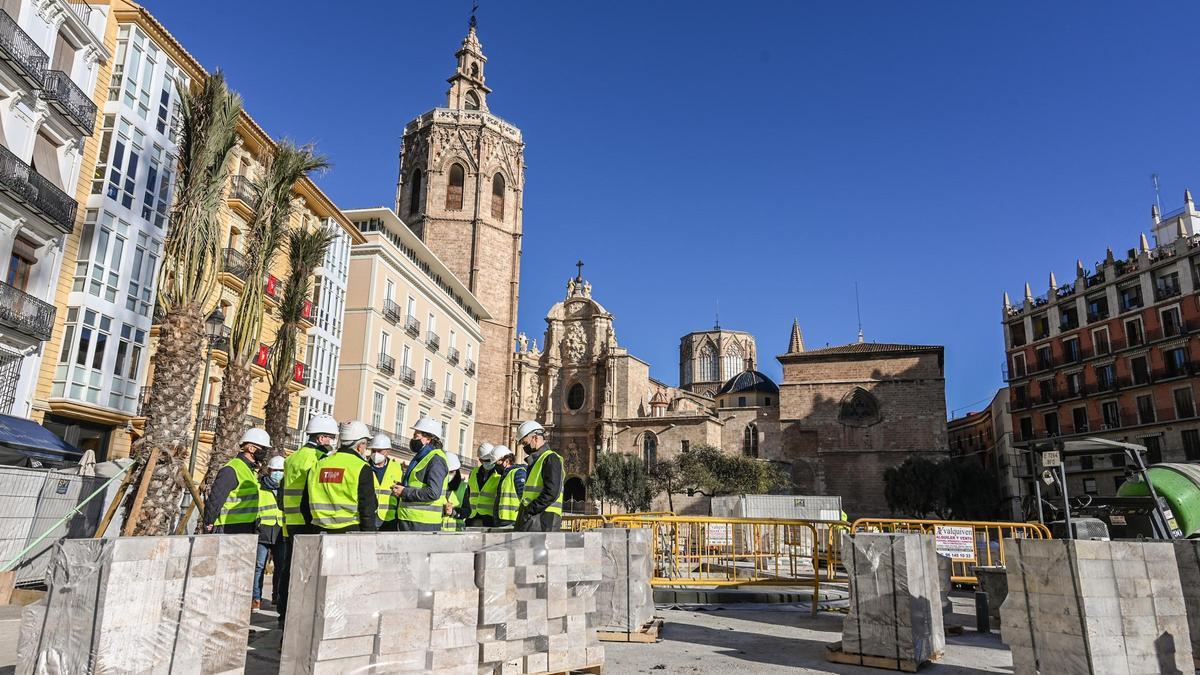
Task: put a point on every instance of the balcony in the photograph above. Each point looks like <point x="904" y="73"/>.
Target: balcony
<point x="433" y="340"/>
<point x="468" y="407"/>
<point x="412" y="325"/>
<point x="208" y="422"/>
<point x="242" y="189"/>
<point x="452" y="356"/>
<point x="70" y="100"/>
<point x="143" y="401"/>
<point x="391" y="312"/>
<point x="1097" y="315"/>
<point x="387" y="364"/>
<point x="35" y="191"/>
<point x="25" y="314"/>
<point x="450" y="399"/>
<point x="22" y="52"/>
<point x="408" y="375"/>
<point x="1167" y="291"/>
<point x="470" y="367"/>
<point x="81" y="10"/>
<point x="234" y="263"/>
<point x="428" y="387"/>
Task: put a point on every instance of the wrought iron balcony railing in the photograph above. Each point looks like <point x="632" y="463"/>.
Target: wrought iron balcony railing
<point x="408" y="375"/>
<point x="428" y="387"/>
<point x="450" y="399"/>
<point x="234" y="263"/>
<point x="391" y="311"/>
<point x="468" y="407"/>
<point x="63" y="93"/>
<point x="452" y="356"/>
<point x="209" y="421"/>
<point x="82" y="10"/>
<point x="242" y="189"/>
<point x="412" y="325"/>
<point x="470" y="367"/>
<point x="24" y="313"/>
<point x="19" y="49"/>
<point x="387" y="364"/>
<point x="433" y="340"/>
<point x="36" y="191"/>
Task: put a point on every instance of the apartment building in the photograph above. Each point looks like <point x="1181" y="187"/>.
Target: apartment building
<point x="51" y="55"/>
<point x="325" y="337"/>
<point x="984" y="437"/>
<point x="411" y="338"/>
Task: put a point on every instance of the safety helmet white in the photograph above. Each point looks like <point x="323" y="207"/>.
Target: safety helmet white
<point x="352" y="432"/>
<point x="321" y="424"/>
<point x="256" y="436"/>
<point x="486" y="452"/>
<point x="500" y="453"/>
<point x="452" y="462"/>
<point x="528" y="428"/>
<point x="276" y="463"/>
<point x="428" y="426"/>
<point x="381" y="442"/>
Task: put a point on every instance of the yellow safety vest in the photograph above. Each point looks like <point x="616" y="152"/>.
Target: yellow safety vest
<point x="533" y="484"/>
<point x="509" y="502"/>
<point x="269" y="514"/>
<point x="429" y="513"/>
<point x="383" y="490"/>
<point x="483" y="497"/>
<point x="333" y="490"/>
<point x="450" y="523"/>
<point x="241" y="506"/>
<point x="295" y="479"/>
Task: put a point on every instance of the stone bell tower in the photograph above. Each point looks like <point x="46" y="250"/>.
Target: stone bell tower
<point x="462" y="179"/>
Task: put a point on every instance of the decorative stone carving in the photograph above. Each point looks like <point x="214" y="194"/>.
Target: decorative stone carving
<point x="859" y="408"/>
<point x="574" y="344"/>
<point x="531" y="392"/>
<point x="523" y="342"/>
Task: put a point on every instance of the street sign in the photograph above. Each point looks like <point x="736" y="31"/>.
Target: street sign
<point x="1051" y="458"/>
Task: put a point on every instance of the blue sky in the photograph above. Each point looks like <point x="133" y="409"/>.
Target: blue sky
<point x="763" y="155"/>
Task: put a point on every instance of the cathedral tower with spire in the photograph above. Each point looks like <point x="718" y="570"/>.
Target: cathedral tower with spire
<point x="462" y="178"/>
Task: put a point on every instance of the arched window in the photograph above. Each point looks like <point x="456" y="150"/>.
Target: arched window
<point x="414" y="195"/>
<point x="474" y="71"/>
<point x="708" y="364"/>
<point x="576" y="396"/>
<point x="649" y="449"/>
<point x="472" y="101"/>
<point x="498" y="197"/>
<point x="733" y="361"/>
<point x="750" y="441"/>
<point x="454" y="190"/>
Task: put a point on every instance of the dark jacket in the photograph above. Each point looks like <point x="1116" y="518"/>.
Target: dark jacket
<point x="224" y="483"/>
<point x="552" y="481"/>
<point x="435" y="475"/>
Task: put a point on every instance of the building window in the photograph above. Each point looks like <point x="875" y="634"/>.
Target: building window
<point x="1041" y="327"/>
<point x="708" y="364"/>
<point x="462" y="441"/>
<point x="1044" y="361"/>
<point x="1100" y="341"/>
<point x="377" y="411"/>
<point x="1089" y="486"/>
<point x="1104" y="376"/>
<point x="733" y="361"/>
<point x="1171" y="325"/>
<point x="1017" y="333"/>
<point x="401" y="414"/>
<point x="1074" y="383"/>
<point x="1185" y="407"/>
<point x="472" y="97"/>
<point x="685" y="445"/>
<point x="1051" y="421"/>
<point x="454" y="189"/>
<point x="1176" y="361"/>
<point x="1133" y="332"/>
<point x="1191" y="445"/>
<point x="1145" y="408"/>
<point x="1140" y="370"/>
<point x="414" y="194"/>
<point x="649" y="449"/>
<point x="1097" y="307"/>
<point x="20" y="264"/>
<point x="1079" y="418"/>
<point x="1068" y="318"/>
<point x="1153" y="449"/>
<point x="1112" y="414"/>
<point x="1026" y="426"/>
<point x="1131" y="297"/>
<point x="576" y="396"/>
<point x="498" y="197"/>
<point x="750" y="441"/>
<point x="102" y="244"/>
<point x="1071" y="350"/>
<point x="140" y="298"/>
<point x="1018" y="360"/>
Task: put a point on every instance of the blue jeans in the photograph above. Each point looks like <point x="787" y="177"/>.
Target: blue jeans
<point x="278" y="552"/>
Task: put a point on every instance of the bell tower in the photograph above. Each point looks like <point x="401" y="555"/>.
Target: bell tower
<point x="462" y="178"/>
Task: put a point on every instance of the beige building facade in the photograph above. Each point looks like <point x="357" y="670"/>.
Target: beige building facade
<point x="411" y="340"/>
<point x="708" y="359"/>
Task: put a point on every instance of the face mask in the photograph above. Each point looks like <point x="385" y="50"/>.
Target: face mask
<point x="415" y="445"/>
<point x="378" y="457"/>
<point x="489" y="465"/>
<point x="527" y="448"/>
<point x="277" y="476"/>
<point x="260" y="455"/>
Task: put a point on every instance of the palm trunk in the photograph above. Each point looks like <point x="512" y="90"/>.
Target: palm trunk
<point x="279" y="406"/>
<point x="169" y="419"/>
<point x="231" y="420"/>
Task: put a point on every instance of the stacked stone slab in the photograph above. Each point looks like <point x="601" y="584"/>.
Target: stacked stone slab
<point x="1187" y="559"/>
<point x="895" y="598"/>
<point x="624" y="598"/>
<point x="143" y="605"/>
<point x="537" y="601"/>
<point x="382" y="602"/>
<point x="1111" y="607"/>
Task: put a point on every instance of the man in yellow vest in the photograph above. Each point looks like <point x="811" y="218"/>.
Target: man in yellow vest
<point x="321" y="432"/>
<point x="512" y="484"/>
<point x="340" y="496"/>
<point x="452" y="520"/>
<point x="232" y="506"/>
<point x="270" y="528"/>
<point x="387" y="473"/>
<point x="422" y="490"/>
<point x="479" y="500"/>
<point x="541" y="500"/>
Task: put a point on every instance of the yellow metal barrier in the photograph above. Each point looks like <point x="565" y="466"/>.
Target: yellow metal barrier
<point x="985" y="546"/>
<point x="581" y="523"/>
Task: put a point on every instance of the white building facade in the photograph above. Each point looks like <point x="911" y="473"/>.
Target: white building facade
<point x="325" y="337"/>
<point x="50" y="53"/>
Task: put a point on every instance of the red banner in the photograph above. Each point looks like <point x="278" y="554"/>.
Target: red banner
<point x="298" y="372"/>
<point x="306" y="312"/>
<point x="263" y="356"/>
<point x="272" y="285"/>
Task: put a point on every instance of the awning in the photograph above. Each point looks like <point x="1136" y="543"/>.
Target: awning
<point x="26" y="443"/>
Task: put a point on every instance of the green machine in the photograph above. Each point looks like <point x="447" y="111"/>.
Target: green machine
<point x="1176" y="484"/>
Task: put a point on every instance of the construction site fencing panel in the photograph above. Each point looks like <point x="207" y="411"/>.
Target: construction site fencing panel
<point x="968" y="543"/>
<point x="33" y="500"/>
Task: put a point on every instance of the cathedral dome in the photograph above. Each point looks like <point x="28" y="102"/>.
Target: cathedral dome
<point x="749" y="381"/>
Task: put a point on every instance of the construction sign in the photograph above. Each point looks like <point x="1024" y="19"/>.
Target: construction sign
<point x="955" y="541"/>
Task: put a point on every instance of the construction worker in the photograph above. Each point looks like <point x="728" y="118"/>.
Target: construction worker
<point x="232" y="506"/>
<point x="340" y="496"/>
<point x="480" y="496"/>
<point x="512" y="482"/>
<point x="270" y="526"/>
<point x="455" y="486"/>
<point x="387" y="473"/>
<point x="541" y="500"/>
<point x="321" y="432"/>
<point x="422" y="490"/>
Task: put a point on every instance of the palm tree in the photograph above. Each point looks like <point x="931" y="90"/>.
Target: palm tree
<point x="306" y="252"/>
<point x="265" y="234"/>
<point x="186" y="288"/>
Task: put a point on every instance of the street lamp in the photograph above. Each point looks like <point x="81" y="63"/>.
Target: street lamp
<point x="214" y="325"/>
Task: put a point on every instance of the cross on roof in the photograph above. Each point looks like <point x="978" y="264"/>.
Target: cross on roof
<point x="579" y="264"/>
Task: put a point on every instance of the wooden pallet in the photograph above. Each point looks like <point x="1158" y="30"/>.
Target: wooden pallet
<point x="589" y="670"/>
<point x="834" y="654"/>
<point x="647" y="633"/>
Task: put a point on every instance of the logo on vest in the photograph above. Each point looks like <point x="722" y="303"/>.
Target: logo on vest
<point x="331" y="475"/>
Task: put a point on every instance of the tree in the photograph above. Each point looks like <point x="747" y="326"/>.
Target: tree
<point x="665" y="477"/>
<point x="622" y="479"/>
<point x="974" y="491"/>
<point x="917" y="487"/>
<point x="708" y="470"/>
<point x="306" y="252"/>
<point x="186" y="288"/>
<point x="265" y="234"/>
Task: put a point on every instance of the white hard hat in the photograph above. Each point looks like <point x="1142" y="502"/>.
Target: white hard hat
<point x="452" y="462"/>
<point x="256" y="436"/>
<point x="486" y="451"/>
<point x="527" y="428"/>
<point x="321" y="424"/>
<point x="381" y="442"/>
<point x="276" y="462"/>
<point x="351" y="432"/>
<point x="500" y="453"/>
<point x="427" y="425"/>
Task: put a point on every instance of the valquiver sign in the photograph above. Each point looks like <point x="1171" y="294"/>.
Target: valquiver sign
<point x="955" y="541"/>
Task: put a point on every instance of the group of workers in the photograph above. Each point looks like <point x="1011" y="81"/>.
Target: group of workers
<point x="343" y="479"/>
